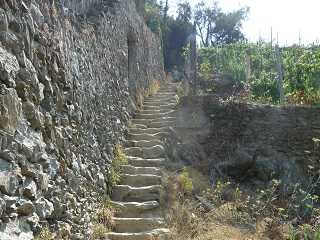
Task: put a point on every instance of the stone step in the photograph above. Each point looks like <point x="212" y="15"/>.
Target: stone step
<point x="170" y="106"/>
<point x="142" y="162"/>
<point x="156" y="234"/>
<point x="147" y="137"/>
<point x="154" y="111"/>
<point x="140" y="180"/>
<point x="136" y="225"/>
<point x="137" y="209"/>
<point x="129" y="169"/>
<point x="162" y="102"/>
<point x="148" y="130"/>
<point x="139" y="126"/>
<point x="143" y="143"/>
<point x="125" y="193"/>
<point x="162" y="124"/>
<point x="155" y="115"/>
<point x="146" y="152"/>
<point x="166" y="90"/>
<point x="162" y="96"/>
<point x="158" y="119"/>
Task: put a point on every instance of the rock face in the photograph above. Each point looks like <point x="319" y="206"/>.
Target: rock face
<point x="248" y="142"/>
<point x="71" y="74"/>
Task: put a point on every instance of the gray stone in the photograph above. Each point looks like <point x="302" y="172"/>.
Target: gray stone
<point x="10" y="108"/>
<point x="16" y="230"/>
<point x="8" y="182"/>
<point x="34" y="116"/>
<point x="44" y="208"/>
<point x="36" y="14"/>
<point x="7" y="155"/>
<point x="29" y="189"/>
<point x="101" y="180"/>
<point x="10" y="41"/>
<point x="43" y="181"/>
<point x="5" y="165"/>
<point x="3" y="21"/>
<point x="2" y="206"/>
<point x="33" y="220"/>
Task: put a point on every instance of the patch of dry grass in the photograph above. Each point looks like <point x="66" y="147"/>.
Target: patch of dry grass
<point x="225" y="211"/>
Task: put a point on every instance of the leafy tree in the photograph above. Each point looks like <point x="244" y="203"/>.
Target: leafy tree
<point x="216" y="27"/>
<point x="184" y="12"/>
<point x="152" y="15"/>
<point x="228" y="27"/>
<point x="177" y="36"/>
<point x="205" y="19"/>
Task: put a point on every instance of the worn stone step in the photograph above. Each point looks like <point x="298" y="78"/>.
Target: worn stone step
<point x="147" y="137"/>
<point x="129" y="169"/>
<point x="156" y="234"/>
<point x="136" y="225"/>
<point x="163" y="97"/>
<point x="137" y="209"/>
<point x="155" y="115"/>
<point x="148" y="130"/>
<point x="142" y="162"/>
<point x="143" y="143"/>
<point x="146" y="152"/>
<point x="162" y="102"/>
<point x="162" y="124"/>
<point x="140" y="180"/>
<point x="138" y="126"/>
<point x="154" y="111"/>
<point x="125" y="193"/>
<point x="159" y="107"/>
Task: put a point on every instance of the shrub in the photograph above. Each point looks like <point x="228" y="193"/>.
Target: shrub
<point x="105" y="215"/>
<point x="45" y="234"/>
<point x="119" y="159"/>
<point x="185" y="182"/>
<point x="153" y="89"/>
<point x="99" y="231"/>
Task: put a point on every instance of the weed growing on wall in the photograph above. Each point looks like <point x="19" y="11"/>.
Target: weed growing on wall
<point x="119" y="160"/>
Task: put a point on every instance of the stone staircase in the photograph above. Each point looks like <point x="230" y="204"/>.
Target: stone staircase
<point x="138" y="195"/>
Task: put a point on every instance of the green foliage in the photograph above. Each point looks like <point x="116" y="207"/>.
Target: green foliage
<point x="99" y="231"/>
<point x="152" y="16"/>
<point x="306" y="232"/>
<point x="217" y="27"/>
<point x="301" y="70"/>
<point x="45" y="234"/>
<point x="185" y="182"/>
<point x="120" y="159"/>
<point x="105" y="215"/>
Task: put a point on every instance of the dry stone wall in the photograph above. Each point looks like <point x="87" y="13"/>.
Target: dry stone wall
<point x="255" y="143"/>
<point x="67" y="90"/>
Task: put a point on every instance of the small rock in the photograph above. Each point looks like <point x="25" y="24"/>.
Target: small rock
<point x="44" y="208"/>
<point x="3" y="20"/>
<point x="2" y="206"/>
<point x="30" y="189"/>
<point x="8" y="183"/>
<point x="33" y="221"/>
<point x="34" y="116"/>
<point x="101" y="180"/>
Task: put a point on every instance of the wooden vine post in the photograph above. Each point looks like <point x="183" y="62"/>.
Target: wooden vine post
<point x="193" y="62"/>
<point x="280" y="74"/>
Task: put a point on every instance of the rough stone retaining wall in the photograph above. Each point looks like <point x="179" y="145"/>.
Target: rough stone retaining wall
<point x="257" y="142"/>
<point x="65" y="98"/>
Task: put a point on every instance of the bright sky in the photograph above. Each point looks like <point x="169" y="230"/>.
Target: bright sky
<point x="288" y="18"/>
